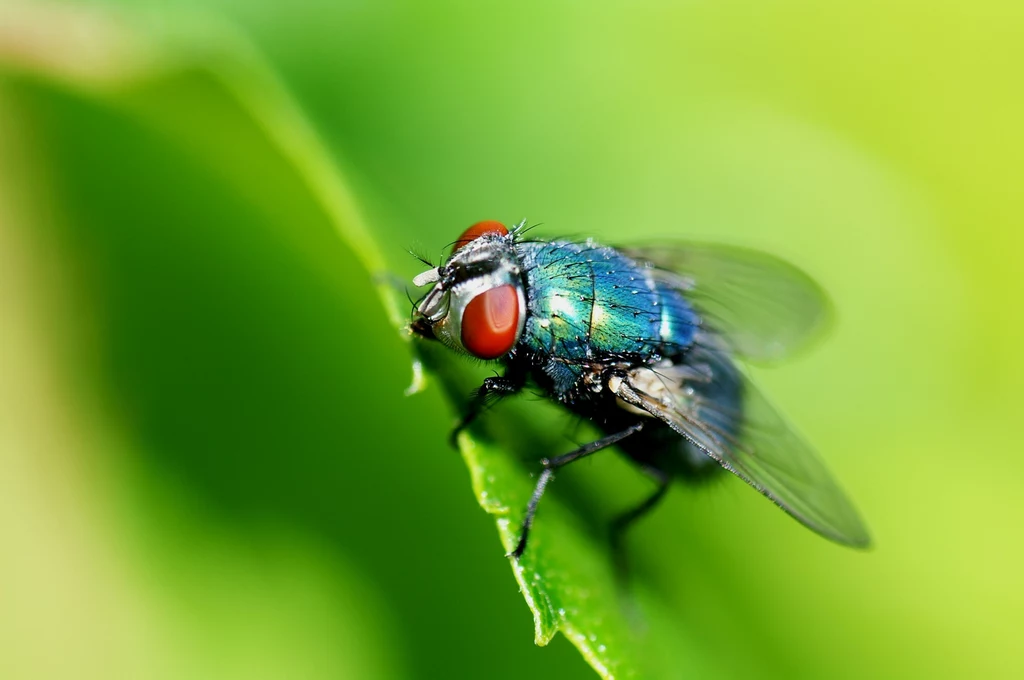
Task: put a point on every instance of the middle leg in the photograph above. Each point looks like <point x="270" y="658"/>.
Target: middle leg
<point x="552" y="464"/>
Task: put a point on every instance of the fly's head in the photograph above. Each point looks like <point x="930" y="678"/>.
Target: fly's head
<point x="477" y="304"/>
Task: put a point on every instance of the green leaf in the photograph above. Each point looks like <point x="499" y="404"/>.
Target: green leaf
<point x="564" y="578"/>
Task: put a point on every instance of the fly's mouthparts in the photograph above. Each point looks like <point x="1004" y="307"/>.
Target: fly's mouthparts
<point x="427" y="277"/>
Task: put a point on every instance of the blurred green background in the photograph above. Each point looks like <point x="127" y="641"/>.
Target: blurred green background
<point x="207" y="464"/>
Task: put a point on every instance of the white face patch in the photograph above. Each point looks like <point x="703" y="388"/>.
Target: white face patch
<point x="493" y="262"/>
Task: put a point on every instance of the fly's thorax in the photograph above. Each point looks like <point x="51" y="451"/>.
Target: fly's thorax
<point x="588" y="302"/>
<point x="477" y="303"/>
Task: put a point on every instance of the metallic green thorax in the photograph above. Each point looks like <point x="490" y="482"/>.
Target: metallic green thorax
<point x="589" y="303"/>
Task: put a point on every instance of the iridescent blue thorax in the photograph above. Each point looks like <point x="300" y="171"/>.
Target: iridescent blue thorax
<point x="590" y="304"/>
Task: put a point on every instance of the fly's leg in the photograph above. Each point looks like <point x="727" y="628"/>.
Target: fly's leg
<point x="619" y="525"/>
<point x="491" y="388"/>
<point x="552" y="464"/>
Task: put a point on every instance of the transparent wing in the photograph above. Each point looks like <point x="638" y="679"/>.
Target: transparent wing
<point x="765" y="307"/>
<point x="711" y="403"/>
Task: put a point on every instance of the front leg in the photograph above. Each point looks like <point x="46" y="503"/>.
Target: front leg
<point x="492" y="388"/>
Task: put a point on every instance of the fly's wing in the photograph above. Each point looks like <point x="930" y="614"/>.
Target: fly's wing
<point x="712" y="404"/>
<point x="765" y="307"/>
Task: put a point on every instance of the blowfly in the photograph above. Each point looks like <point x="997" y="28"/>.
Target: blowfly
<point x="645" y="343"/>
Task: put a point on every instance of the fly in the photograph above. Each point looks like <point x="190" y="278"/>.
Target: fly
<point x="644" y="342"/>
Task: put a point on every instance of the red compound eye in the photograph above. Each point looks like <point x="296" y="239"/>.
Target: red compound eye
<point x="490" y="322"/>
<point x="478" y="230"/>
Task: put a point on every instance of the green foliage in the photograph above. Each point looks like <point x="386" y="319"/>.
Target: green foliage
<point x="224" y="156"/>
<point x="209" y="466"/>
